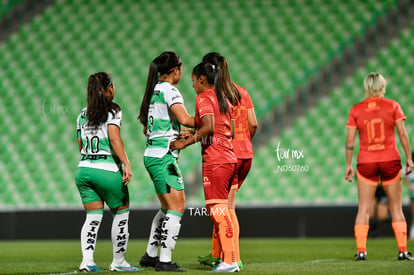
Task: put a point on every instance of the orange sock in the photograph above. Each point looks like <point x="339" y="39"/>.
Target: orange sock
<point x="220" y="215"/>
<point x="400" y="232"/>
<point x="361" y="235"/>
<point x="236" y="233"/>
<point x="215" y="244"/>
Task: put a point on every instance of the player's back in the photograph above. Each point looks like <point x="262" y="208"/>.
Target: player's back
<point x="96" y="149"/>
<point x="375" y="120"/>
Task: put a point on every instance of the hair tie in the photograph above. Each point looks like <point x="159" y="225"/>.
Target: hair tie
<point x="110" y="83"/>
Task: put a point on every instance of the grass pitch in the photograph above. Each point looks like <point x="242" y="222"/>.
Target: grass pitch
<point x="260" y="256"/>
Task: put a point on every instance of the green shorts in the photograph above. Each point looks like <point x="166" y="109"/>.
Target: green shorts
<point x="164" y="173"/>
<point x="101" y="185"/>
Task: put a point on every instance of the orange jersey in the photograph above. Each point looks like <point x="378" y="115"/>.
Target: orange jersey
<point x="242" y="141"/>
<point x="375" y="119"/>
<point x="216" y="148"/>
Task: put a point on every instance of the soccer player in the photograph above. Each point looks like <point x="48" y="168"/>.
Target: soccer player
<point x="215" y="132"/>
<point x="245" y="129"/>
<point x="162" y="112"/>
<point x="378" y="160"/>
<point x="409" y="181"/>
<point x="100" y="177"/>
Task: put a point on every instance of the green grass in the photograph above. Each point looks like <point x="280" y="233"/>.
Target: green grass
<point x="260" y="256"/>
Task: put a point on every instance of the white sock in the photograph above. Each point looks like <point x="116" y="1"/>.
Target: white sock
<point x="170" y="229"/>
<point x="89" y="235"/>
<point x="155" y="234"/>
<point x="120" y="235"/>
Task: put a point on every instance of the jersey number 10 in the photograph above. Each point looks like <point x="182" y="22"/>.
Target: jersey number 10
<point x="92" y="145"/>
<point x="375" y="129"/>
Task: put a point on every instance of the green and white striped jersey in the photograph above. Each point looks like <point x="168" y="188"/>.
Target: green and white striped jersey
<point x="162" y="127"/>
<point x="96" y="148"/>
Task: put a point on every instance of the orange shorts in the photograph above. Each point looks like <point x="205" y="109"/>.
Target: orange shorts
<point x="217" y="181"/>
<point x="243" y="168"/>
<point x="386" y="172"/>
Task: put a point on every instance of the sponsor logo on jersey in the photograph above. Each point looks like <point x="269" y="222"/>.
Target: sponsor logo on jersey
<point x="93" y="157"/>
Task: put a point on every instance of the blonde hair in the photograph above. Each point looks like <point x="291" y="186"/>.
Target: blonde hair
<point x="374" y="85"/>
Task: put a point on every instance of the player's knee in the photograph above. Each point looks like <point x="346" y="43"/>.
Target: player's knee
<point x="177" y="205"/>
<point x="120" y="208"/>
<point x="181" y="206"/>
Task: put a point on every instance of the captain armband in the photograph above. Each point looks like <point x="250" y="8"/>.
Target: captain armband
<point x="349" y="147"/>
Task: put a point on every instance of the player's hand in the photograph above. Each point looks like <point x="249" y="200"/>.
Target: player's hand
<point x="186" y="133"/>
<point x="177" y="145"/>
<point x="409" y="167"/>
<point x="126" y="175"/>
<point x="349" y="174"/>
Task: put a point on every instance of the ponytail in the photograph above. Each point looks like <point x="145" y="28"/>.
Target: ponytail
<point x="98" y="105"/>
<point x="221" y="97"/>
<point x="213" y="77"/>
<point x="149" y="91"/>
<point x="224" y="82"/>
<point x="162" y="64"/>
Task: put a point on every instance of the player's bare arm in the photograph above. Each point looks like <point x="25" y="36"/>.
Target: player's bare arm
<point x="405" y="143"/>
<point x="118" y="146"/>
<point x="349" y="151"/>
<point x="180" y="112"/>
<point x="206" y="129"/>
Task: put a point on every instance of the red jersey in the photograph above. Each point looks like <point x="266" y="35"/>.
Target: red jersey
<point x="375" y="119"/>
<point x="216" y="148"/>
<point x="242" y="141"/>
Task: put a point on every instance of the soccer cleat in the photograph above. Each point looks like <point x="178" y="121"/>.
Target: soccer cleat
<point x="225" y="267"/>
<point x="405" y="256"/>
<point x="89" y="268"/>
<point x="148" y="261"/>
<point x="123" y="267"/>
<point x="170" y="267"/>
<point x="361" y="256"/>
<point x="209" y="260"/>
<point x="240" y="264"/>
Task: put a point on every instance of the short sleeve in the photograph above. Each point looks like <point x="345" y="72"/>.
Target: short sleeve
<point x="204" y="105"/>
<point x="398" y="114"/>
<point x="173" y="97"/>
<point x="78" y="127"/>
<point x="115" y="119"/>
<point x="80" y="119"/>
<point x="248" y="100"/>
